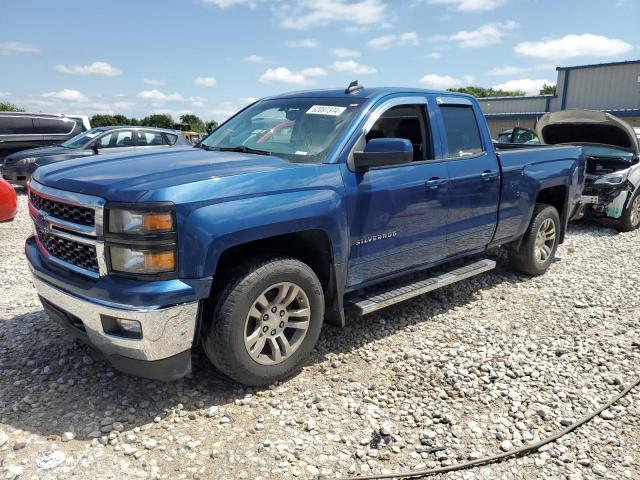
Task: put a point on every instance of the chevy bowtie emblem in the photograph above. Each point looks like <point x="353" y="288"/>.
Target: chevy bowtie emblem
<point x="376" y="237"/>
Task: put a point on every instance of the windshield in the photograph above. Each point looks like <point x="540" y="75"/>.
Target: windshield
<point x="81" y="140"/>
<point x="297" y="129"/>
<point x="601" y="151"/>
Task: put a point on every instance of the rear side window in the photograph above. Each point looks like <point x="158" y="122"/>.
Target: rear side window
<point x="150" y="139"/>
<point x="54" y="126"/>
<point x="461" y="129"/>
<point x="171" y="138"/>
<point x="16" y="126"/>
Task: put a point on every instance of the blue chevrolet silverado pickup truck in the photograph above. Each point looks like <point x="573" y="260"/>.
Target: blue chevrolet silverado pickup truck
<point x="299" y="207"/>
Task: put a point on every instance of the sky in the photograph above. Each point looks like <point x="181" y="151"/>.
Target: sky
<point x="212" y="57"/>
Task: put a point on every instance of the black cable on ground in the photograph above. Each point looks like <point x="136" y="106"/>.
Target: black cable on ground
<point x="495" y="458"/>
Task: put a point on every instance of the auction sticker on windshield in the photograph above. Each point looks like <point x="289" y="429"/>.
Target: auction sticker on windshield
<point x="326" y="110"/>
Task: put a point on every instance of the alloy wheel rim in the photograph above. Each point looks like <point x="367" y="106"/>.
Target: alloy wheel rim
<point x="545" y="240"/>
<point x="277" y="323"/>
<point x="635" y="211"/>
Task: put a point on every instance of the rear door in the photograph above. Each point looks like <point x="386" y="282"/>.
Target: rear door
<point x="55" y="130"/>
<point x="474" y="177"/>
<point x="150" y="140"/>
<point x="17" y="132"/>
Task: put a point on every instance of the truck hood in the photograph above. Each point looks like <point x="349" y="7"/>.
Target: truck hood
<point x="586" y="126"/>
<point x="131" y="175"/>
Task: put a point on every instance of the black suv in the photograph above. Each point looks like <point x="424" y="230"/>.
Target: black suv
<point x="20" y="131"/>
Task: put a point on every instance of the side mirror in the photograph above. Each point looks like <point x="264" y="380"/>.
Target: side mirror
<point x="383" y="152"/>
<point x="94" y="147"/>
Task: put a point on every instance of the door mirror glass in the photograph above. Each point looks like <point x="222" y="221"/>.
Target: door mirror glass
<point x="383" y="152"/>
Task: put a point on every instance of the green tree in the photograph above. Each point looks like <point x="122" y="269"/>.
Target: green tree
<point x="548" y="89"/>
<point x="10" y="107"/>
<point x="197" y="125"/>
<point x="210" y="126"/>
<point x="160" y="120"/>
<point x="102" y="121"/>
<point x="481" y="92"/>
<point x="122" y="120"/>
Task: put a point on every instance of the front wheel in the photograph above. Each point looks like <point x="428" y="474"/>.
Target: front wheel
<point x="540" y="242"/>
<point x="630" y="219"/>
<point x="266" y="322"/>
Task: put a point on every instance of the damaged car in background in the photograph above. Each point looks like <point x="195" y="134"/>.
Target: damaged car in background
<point x="612" y="177"/>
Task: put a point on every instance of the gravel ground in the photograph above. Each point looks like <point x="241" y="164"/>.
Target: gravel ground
<point x="484" y="366"/>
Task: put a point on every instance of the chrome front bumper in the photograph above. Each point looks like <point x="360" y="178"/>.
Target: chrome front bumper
<point x="166" y="331"/>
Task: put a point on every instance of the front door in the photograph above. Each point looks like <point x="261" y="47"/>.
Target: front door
<point x="398" y="214"/>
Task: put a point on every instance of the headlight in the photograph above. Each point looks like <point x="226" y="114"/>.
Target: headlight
<point x="29" y="160"/>
<point x="615" y="178"/>
<point x="141" y="240"/>
<point x="140" y="222"/>
<point x="142" y="262"/>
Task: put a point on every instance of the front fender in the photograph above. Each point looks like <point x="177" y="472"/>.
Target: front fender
<point x="212" y="229"/>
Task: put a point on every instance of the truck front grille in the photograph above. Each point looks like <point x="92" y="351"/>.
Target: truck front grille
<point x="63" y="211"/>
<point x="75" y="253"/>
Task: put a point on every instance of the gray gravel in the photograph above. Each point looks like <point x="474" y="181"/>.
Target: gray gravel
<point x="478" y="368"/>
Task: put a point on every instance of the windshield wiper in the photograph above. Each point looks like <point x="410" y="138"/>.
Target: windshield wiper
<point x="243" y="149"/>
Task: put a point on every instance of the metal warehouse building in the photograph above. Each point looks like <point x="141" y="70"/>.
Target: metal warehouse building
<point x="610" y="87"/>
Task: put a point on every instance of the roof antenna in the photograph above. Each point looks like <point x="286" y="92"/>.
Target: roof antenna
<point x="353" y="87"/>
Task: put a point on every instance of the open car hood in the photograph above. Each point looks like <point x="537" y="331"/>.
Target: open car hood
<point x="586" y="126"/>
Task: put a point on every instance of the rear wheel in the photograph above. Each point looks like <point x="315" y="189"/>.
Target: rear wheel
<point x="266" y="322"/>
<point x="540" y="242"/>
<point x="630" y="219"/>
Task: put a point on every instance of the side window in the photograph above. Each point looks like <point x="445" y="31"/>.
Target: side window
<point x="105" y="141"/>
<point x="124" y="138"/>
<point x="171" y="138"/>
<point x="16" y="126"/>
<point x="405" y="121"/>
<point x="54" y="126"/>
<point x="461" y="130"/>
<point x="150" y="139"/>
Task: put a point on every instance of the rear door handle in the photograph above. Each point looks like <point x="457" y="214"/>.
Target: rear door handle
<point x="435" y="183"/>
<point x="488" y="175"/>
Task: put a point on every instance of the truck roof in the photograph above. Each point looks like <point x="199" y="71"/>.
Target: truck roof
<point x="367" y="93"/>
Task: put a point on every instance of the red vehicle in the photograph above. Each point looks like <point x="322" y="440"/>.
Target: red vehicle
<point x="8" y="201"/>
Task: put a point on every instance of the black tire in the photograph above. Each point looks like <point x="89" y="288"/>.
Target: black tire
<point x="525" y="258"/>
<point x="627" y="222"/>
<point x="224" y="339"/>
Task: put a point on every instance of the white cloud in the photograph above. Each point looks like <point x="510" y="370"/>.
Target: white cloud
<point x="435" y="55"/>
<point x="388" y="41"/>
<point x="470" y="5"/>
<point x="66" y="95"/>
<point x="306" y="14"/>
<point x="197" y="101"/>
<point x="229" y="3"/>
<point x="13" y="48"/>
<point x="158" y="96"/>
<point x="511" y="70"/>
<point x="257" y="59"/>
<point x="284" y="75"/>
<point x="95" y="68"/>
<point x="345" y="53"/>
<point x="154" y="81"/>
<point x="485" y="35"/>
<point x="574" y="45"/>
<point x="442" y="82"/>
<point x="4" y="94"/>
<point x="247" y="100"/>
<point x="209" y="82"/>
<point x="222" y="111"/>
<point x="350" y="66"/>
<point x="527" y="85"/>
<point x="313" y="72"/>
<point x="305" y="43"/>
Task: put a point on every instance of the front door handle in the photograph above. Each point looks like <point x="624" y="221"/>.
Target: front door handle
<point x="435" y="183"/>
<point x="489" y="175"/>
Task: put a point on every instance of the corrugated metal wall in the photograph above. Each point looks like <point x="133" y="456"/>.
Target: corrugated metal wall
<point x="604" y="88"/>
<point x="609" y="87"/>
